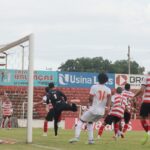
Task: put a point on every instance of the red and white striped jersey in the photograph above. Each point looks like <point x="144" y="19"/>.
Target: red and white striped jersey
<point x="146" y="96"/>
<point x="129" y="95"/>
<point x="119" y="106"/>
<point x="7" y="108"/>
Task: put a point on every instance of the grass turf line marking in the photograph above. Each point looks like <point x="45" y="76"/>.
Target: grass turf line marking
<point x="46" y="147"/>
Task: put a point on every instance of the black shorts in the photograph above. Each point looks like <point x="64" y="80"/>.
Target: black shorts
<point x="127" y="117"/>
<point x="110" y="119"/>
<point x="145" y="110"/>
<point x="50" y="115"/>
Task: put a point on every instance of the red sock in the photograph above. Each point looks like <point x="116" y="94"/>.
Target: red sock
<point x="45" y="126"/>
<point x="100" y="131"/>
<point x="9" y="124"/>
<point x="3" y="122"/>
<point x="149" y="128"/>
<point x="144" y="125"/>
<point x="116" y="128"/>
<point x="125" y="128"/>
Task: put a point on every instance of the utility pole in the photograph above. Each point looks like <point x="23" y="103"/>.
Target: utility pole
<point x="129" y="67"/>
<point x="23" y="55"/>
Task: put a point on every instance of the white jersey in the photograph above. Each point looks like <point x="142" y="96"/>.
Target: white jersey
<point x="100" y="93"/>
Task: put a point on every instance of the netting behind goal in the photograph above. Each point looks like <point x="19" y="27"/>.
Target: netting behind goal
<point x="15" y="59"/>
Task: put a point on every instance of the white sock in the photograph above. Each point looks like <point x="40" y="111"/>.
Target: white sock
<point x="119" y="133"/>
<point x="90" y="131"/>
<point x="78" y="129"/>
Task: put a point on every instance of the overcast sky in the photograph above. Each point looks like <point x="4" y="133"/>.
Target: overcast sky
<point x="70" y="29"/>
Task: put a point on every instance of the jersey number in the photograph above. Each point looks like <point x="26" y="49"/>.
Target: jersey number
<point x="101" y="95"/>
<point x="55" y="96"/>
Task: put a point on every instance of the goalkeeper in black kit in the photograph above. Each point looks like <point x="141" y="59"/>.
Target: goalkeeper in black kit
<point x="59" y="101"/>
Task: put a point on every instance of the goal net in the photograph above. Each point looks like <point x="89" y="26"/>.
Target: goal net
<point x="14" y="56"/>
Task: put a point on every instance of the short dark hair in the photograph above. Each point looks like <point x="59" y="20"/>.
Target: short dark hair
<point x="51" y="85"/>
<point x="127" y="86"/>
<point x="119" y="90"/>
<point x="102" y="78"/>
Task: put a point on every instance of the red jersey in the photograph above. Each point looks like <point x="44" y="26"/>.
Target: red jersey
<point x="129" y="95"/>
<point x="119" y="106"/>
<point x="146" y="96"/>
<point x="7" y="108"/>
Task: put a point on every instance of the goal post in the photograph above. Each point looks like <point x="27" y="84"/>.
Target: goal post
<point x="28" y="38"/>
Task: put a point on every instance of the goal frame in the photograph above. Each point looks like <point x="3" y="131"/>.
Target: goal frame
<point x="30" y="39"/>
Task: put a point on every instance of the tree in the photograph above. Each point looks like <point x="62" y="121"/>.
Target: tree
<point x="121" y="66"/>
<point x="98" y="64"/>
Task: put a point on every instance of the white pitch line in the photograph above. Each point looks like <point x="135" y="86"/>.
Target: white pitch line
<point x="36" y="145"/>
<point x="46" y="147"/>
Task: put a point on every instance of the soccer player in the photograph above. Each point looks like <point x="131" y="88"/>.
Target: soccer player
<point x="7" y="111"/>
<point x="145" y="107"/>
<point x="59" y="101"/>
<point x="116" y="113"/>
<point x="127" y="114"/>
<point x="50" y="112"/>
<point x="100" y="99"/>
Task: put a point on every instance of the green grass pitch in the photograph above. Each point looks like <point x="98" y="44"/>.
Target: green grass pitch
<point x="132" y="141"/>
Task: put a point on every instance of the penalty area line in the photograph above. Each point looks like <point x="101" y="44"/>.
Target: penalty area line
<point x="46" y="147"/>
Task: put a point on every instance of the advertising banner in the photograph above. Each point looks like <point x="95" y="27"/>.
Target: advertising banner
<point x="134" y="125"/>
<point x="134" y="80"/>
<point x="20" y="78"/>
<point x="82" y="79"/>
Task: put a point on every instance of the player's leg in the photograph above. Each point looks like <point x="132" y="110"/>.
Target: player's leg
<point x="45" y="128"/>
<point x="49" y="117"/>
<point x="144" y="123"/>
<point x="56" y="120"/>
<point x="144" y="113"/>
<point x="127" y="117"/>
<point x="56" y="126"/>
<point x="78" y="128"/>
<point x="9" y="122"/>
<point x="149" y="124"/>
<point x="84" y="118"/>
<point x="108" y="120"/>
<point x="3" y="122"/>
<point x="120" y="133"/>
<point x="116" y="121"/>
<point x="90" y="133"/>
<point x="68" y="107"/>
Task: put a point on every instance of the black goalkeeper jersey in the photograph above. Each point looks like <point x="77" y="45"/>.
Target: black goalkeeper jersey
<point x="55" y="96"/>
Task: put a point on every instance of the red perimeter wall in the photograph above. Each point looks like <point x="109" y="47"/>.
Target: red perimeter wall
<point x="18" y="95"/>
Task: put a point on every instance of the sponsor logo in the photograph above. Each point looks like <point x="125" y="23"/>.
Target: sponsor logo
<point x="136" y="79"/>
<point x="121" y="80"/>
<point x="73" y="79"/>
<point x="65" y="79"/>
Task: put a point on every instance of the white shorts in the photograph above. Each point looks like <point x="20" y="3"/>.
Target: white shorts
<point x="90" y="117"/>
